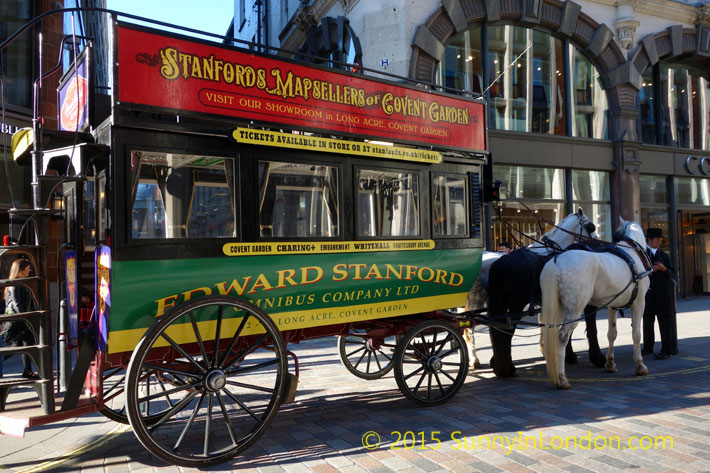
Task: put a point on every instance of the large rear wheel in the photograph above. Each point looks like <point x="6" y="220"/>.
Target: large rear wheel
<point x="222" y="365"/>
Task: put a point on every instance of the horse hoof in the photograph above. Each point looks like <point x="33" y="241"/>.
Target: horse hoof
<point x="477" y="365"/>
<point x="565" y="386"/>
<point x="572" y="360"/>
<point x="642" y="371"/>
<point x="610" y="367"/>
<point x="597" y="361"/>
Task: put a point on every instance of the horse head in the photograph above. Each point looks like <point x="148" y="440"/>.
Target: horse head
<point x="572" y="227"/>
<point x="630" y="231"/>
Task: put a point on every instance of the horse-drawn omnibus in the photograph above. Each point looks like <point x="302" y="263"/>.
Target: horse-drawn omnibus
<point x="232" y="202"/>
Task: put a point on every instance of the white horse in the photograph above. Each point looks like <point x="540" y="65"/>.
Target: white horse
<point x="571" y="228"/>
<point x="576" y="278"/>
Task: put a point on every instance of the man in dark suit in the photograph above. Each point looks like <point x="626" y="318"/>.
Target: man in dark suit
<point x="659" y="298"/>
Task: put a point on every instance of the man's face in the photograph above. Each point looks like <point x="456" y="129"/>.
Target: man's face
<point x="655" y="242"/>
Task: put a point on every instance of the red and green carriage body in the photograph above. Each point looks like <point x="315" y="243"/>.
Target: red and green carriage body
<point x="235" y="201"/>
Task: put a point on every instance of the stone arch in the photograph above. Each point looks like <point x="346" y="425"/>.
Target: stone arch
<point x="674" y="41"/>
<point x="562" y="19"/>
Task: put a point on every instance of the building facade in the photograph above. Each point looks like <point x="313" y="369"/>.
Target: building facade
<point x="603" y="104"/>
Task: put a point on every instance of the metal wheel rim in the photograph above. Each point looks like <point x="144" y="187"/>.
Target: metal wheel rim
<point x="227" y="403"/>
<point x="362" y="359"/>
<point x="431" y="363"/>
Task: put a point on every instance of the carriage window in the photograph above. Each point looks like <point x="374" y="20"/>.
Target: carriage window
<point x="449" y="205"/>
<point x="388" y="203"/>
<point x="182" y="196"/>
<point x="298" y="200"/>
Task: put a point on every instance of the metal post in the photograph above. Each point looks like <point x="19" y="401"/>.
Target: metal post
<point x="64" y="353"/>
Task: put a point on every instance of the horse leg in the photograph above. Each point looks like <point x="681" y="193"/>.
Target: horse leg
<point x="610" y="366"/>
<point x="570" y="355"/>
<point x="595" y="353"/>
<point x="469" y="336"/>
<point x="636" y="325"/>
<point x="565" y="334"/>
<point x="501" y="362"/>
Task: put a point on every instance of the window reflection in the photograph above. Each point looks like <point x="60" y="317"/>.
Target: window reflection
<point x="388" y="203"/>
<point x="298" y="200"/>
<point x="531" y="183"/>
<point x="180" y="196"/>
<point x="449" y="206"/>
<point x="685" y="107"/>
<point x="589" y="104"/>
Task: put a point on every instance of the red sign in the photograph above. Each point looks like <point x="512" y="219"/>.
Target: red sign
<point x="167" y="72"/>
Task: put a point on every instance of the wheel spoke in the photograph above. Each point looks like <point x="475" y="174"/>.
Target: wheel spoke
<point x="217" y="334"/>
<point x="196" y="329"/>
<point x="377" y="360"/>
<point x="356" y="351"/>
<point x="176" y="408"/>
<point x="168" y="392"/>
<point x="419" y="383"/>
<point x="250" y="386"/>
<point x="360" y="359"/>
<point x="448" y="376"/>
<point x="448" y="337"/>
<point x="247" y="369"/>
<point x="449" y="353"/>
<point x="189" y="422"/>
<point x="369" y="360"/>
<point x="208" y="421"/>
<point x="234" y="339"/>
<point x="424" y="344"/>
<point x="417" y="371"/>
<point x="182" y="352"/>
<point x="438" y="382"/>
<point x="226" y="419"/>
<point x="114" y="386"/>
<point x="428" y="388"/>
<point x="355" y="341"/>
<point x="169" y="370"/>
<point x="242" y="405"/>
<point x="244" y="353"/>
<point x="417" y="352"/>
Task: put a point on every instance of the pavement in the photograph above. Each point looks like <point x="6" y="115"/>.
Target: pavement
<point x="609" y="420"/>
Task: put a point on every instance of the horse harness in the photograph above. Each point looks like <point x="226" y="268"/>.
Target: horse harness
<point x="618" y="252"/>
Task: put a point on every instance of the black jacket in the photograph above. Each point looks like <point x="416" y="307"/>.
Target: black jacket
<point x="17" y="332"/>
<point x="660" y="293"/>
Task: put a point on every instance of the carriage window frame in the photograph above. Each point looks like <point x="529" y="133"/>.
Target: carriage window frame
<point x="340" y="181"/>
<point x="172" y="241"/>
<point x="466" y="202"/>
<point x="421" y="183"/>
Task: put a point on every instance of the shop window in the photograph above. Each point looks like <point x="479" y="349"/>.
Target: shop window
<point x="17" y="59"/>
<point x="684" y="94"/>
<point x="449" y="206"/>
<point x="653" y="189"/>
<point x="589" y="105"/>
<point x="531" y="183"/>
<point x="298" y="200"/>
<point x="182" y="196"/>
<point x="590" y="191"/>
<point x="692" y="191"/>
<point x="387" y="203"/>
<point x="461" y="67"/>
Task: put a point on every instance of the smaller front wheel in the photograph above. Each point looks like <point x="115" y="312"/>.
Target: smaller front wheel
<point x="364" y="356"/>
<point x="431" y="363"/>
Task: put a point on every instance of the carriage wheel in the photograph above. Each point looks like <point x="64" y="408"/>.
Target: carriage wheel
<point x="224" y="360"/>
<point x="364" y="356"/>
<point x="430" y="363"/>
<point x="114" y="396"/>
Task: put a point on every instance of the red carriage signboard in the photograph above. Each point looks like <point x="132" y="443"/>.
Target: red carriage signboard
<point x="176" y="73"/>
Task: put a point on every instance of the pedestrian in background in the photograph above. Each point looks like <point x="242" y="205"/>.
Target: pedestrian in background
<point x="659" y="298"/>
<point x="17" y="300"/>
<point x="504" y="247"/>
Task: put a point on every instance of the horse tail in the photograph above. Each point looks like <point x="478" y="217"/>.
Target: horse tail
<point x="550" y="314"/>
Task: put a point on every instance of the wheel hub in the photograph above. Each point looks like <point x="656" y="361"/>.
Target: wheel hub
<point x="215" y="380"/>
<point x="434" y="363"/>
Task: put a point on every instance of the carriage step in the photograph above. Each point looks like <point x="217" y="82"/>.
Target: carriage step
<point x="24" y="410"/>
